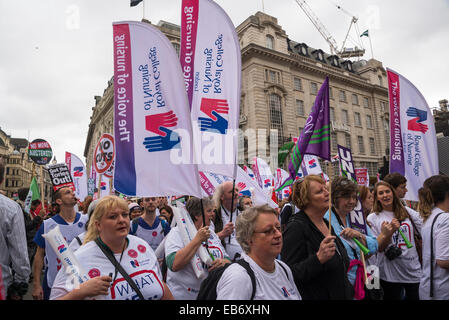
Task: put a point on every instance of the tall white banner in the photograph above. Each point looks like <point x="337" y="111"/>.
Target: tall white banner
<point x="211" y="64"/>
<point x="79" y="175"/>
<point x="152" y="124"/>
<point x="413" y="143"/>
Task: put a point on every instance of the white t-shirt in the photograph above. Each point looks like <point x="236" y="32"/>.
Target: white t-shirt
<point x="138" y="260"/>
<point x="405" y="268"/>
<point x="235" y="283"/>
<point x="440" y="252"/>
<point x="75" y="245"/>
<point x="183" y="284"/>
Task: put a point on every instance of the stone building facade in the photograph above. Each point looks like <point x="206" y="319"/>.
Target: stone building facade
<point x="19" y="167"/>
<point x="280" y="80"/>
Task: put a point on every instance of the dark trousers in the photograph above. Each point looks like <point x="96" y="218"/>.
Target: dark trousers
<point x="395" y="291"/>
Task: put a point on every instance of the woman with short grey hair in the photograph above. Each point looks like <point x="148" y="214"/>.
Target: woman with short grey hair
<point x="258" y="232"/>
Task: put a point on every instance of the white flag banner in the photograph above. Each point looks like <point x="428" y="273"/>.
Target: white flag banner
<point x="211" y="63"/>
<point x="263" y="174"/>
<point x="247" y="186"/>
<point x="413" y="143"/>
<point x="152" y="124"/>
<point x="79" y="175"/>
<point x="311" y="165"/>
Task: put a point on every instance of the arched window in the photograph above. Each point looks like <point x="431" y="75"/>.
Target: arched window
<point x="270" y="42"/>
<point x="276" y="115"/>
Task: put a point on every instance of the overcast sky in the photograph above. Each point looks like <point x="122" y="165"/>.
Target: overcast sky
<point x="56" y="55"/>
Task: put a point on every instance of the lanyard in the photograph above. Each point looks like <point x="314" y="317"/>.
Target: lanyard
<point x="112" y="253"/>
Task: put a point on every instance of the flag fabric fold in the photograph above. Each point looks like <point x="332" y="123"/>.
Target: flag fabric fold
<point x="211" y="62"/>
<point x="315" y="138"/>
<point x="78" y="171"/>
<point x="152" y="125"/>
<point x="365" y="34"/>
<point x="33" y="194"/>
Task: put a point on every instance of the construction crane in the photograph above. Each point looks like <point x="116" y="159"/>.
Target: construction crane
<point x="343" y="52"/>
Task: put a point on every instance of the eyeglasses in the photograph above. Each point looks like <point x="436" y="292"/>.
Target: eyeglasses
<point x="270" y="232"/>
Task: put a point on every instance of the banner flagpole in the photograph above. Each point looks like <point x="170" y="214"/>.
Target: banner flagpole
<point x="42" y="188"/>
<point x="331" y="173"/>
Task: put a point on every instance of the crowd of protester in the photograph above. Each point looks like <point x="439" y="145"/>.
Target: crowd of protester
<point x="309" y="248"/>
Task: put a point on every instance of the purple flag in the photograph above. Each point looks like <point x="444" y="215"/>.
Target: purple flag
<point x="315" y="138"/>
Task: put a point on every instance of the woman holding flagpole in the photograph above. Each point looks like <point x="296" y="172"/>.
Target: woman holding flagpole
<point x="181" y="277"/>
<point x="316" y="256"/>
<point x="344" y="200"/>
<point x="397" y="259"/>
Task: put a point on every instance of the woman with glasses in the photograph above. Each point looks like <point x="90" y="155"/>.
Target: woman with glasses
<point x="108" y="233"/>
<point x="258" y="232"/>
<point x="344" y="200"/>
<point x="317" y="257"/>
<point x="397" y="259"/>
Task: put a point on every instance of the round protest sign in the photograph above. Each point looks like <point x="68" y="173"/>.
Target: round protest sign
<point x="104" y="153"/>
<point x="40" y="151"/>
<point x="110" y="172"/>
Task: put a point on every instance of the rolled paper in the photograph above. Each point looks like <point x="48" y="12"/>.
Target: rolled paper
<point x="73" y="268"/>
<point x="407" y="242"/>
<point x="186" y="236"/>
<point x="68" y="259"/>
<point x="364" y="249"/>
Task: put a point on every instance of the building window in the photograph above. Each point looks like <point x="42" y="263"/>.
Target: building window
<point x="298" y="84"/>
<point x="371" y="166"/>
<point x="313" y="88"/>
<point x="276" y="115"/>
<point x="381" y="82"/>
<point x="344" y="117"/>
<point x="361" y="144"/>
<point x="332" y="114"/>
<point x="355" y="99"/>
<point x="369" y="122"/>
<point x="383" y="106"/>
<point x="334" y="141"/>
<point x="300" y="108"/>
<point x="348" y="141"/>
<point x="342" y="96"/>
<point x="372" y="146"/>
<point x="366" y="102"/>
<point x="176" y="46"/>
<point x="357" y="119"/>
<point x="272" y="76"/>
<point x="270" y="42"/>
<point x="331" y="93"/>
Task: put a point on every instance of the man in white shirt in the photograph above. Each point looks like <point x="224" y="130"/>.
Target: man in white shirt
<point x="13" y="246"/>
<point x="223" y="224"/>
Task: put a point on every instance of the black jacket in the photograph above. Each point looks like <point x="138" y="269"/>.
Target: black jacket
<point x="315" y="281"/>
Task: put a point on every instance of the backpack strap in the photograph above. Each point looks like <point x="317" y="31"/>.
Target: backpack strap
<point x="165" y="226"/>
<point x="432" y="254"/>
<point x="78" y="240"/>
<point x="283" y="268"/>
<point x="250" y="271"/>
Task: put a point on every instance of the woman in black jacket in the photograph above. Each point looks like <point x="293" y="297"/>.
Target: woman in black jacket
<point x="317" y="258"/>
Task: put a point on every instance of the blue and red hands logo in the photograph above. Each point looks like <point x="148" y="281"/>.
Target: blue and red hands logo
<point x="159" y="124"/>
<point x="214" y="109"/>
<point x="418" y="117"/>
<point x="103" y="186"/>
<point x="62" y="248"/>
<point x="78" y="171"/>
<point x="312" y="163"/>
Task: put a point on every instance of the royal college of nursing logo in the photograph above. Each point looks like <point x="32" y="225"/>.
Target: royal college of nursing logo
<point x="217" y="113"/>
<point x="417" y="121"/>
<point x="78" y="171"/>
<point x="166" y="139"/>
<point x="312" y="163"/>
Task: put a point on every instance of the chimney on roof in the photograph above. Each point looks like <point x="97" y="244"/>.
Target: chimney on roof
<point x="443" y="105"/>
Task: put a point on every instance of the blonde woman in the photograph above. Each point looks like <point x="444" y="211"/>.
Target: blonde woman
<point x="108" y="228"/>
<point x="434" y="209"/>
